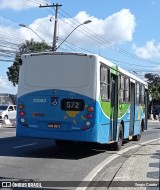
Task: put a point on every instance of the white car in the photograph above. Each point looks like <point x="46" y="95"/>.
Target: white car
<point x="8" y="112"/>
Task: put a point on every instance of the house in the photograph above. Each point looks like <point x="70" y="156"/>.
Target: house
<point x="8" y="98"/>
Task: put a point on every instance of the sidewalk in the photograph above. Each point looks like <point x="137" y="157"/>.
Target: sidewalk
<point x="10" y="124"/>
<point x="153" y="121"/>
<point x="141" y="171"/>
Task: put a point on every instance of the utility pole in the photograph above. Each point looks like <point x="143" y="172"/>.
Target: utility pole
<point x="55" y="23"/>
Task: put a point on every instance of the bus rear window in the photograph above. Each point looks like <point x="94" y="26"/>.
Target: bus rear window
<point x="57" y="71"/>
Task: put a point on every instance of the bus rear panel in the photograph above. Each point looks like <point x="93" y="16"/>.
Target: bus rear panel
<point x="57" y="97"/>
<point x="79" y="97"/>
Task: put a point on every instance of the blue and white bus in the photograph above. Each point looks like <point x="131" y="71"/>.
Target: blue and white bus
<point x="79" y="97"/>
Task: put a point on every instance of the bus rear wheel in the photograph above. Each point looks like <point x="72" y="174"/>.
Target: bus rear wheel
<point x="117" y="145"/>
<point x="137" y="137"/>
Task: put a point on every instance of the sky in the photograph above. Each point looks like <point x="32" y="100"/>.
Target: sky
<point x="126" y="32"/>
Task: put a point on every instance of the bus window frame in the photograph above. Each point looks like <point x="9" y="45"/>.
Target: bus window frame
<point x="138" y="93"/>
<point x="107" y="83"/>
<point x="123" y="89"/>
<point x="127" y="89"/>
<point x="142" y="94"/>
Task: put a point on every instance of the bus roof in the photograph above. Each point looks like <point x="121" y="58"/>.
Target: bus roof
<point x="100" y="58"/>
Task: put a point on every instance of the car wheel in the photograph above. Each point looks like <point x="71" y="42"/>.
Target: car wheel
<point x="5" y="117"/>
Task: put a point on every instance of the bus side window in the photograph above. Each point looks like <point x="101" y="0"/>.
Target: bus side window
<point x="127" y="89"/>
<point x="137" y="93"/>
<point x="121" y="90"/>
<point x="142" y="95"/>
<point x="104" y="83"/>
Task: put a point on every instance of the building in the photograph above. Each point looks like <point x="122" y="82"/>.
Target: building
<point x="8" y="99"/>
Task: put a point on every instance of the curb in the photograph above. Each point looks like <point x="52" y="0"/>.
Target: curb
<point x="153" y="121"/>
<point x="7" y="125"/>
<point x="108" y="160"/>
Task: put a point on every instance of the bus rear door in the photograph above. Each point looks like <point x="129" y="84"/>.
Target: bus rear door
<point x="114" y="105"/>
<point x="132" y="108"/>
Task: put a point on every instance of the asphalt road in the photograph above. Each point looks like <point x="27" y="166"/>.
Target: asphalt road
<point x="30" y="159"/>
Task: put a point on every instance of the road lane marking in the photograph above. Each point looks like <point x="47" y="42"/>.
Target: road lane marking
<point x="25" y="145"/>
<point x="8" y="132"/>
<point x="99" y="167"/>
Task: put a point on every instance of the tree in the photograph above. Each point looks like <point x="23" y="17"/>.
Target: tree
<point x="27" y="47"/>
<point x="154" y="85"/>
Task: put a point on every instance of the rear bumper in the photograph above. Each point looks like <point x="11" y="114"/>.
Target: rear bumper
<point x="89" y="135"/>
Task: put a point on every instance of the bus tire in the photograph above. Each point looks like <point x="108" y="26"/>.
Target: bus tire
<point x="117" y="145"/>
<point x="143" y="125"/>
<point x="138" y="137"/>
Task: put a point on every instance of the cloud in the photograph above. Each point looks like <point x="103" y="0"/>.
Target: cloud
<point x="154" y="2"/>
<point x="6" y="86"/>
<point x="17" y="4"/>
<point x="42" y="27"/>
<point x="148" y="51"/>
<point x="157" y="69"/>
<point x="120" y="26"/>
<point x="10" y="38"/>
<point x="117" y="28"/>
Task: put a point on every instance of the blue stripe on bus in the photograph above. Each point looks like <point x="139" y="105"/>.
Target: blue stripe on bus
<point x="39" y="112"/>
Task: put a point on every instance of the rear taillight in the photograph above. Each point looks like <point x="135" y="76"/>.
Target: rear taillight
<point x="84" y="127"/>
<point x="88" y="123"/>
<point x="21" y="106"/>
<point x="23" y="120"/>
<point x="90" y="109"/>
<point x="89" y="116"/>
<point x="22" y="113"/>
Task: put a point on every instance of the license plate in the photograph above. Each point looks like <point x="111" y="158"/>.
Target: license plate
<point x="54" y="125"/>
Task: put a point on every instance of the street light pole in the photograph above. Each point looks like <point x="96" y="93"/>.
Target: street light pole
<point x="25" y="26"/>
<point x="55" y="28"/>
<point x="86" y="22"/>
<point x="55" y="24"/>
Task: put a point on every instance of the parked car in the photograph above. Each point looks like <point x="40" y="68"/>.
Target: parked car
<point x="156" y="112"/>
<point x="8" y="112"/>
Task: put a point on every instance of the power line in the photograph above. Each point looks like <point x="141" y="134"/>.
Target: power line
<point x="79" y="47"/>
<point x="8" y="19"/>
<point x="99" y="42"/>
<point x="6" y="60"/>
<point x="129" y="63"/>
<point x="107" y="43"/>
<point x="39" y="1"/>
<point x="112" y="46"/>
<point x="114" y="60"/>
